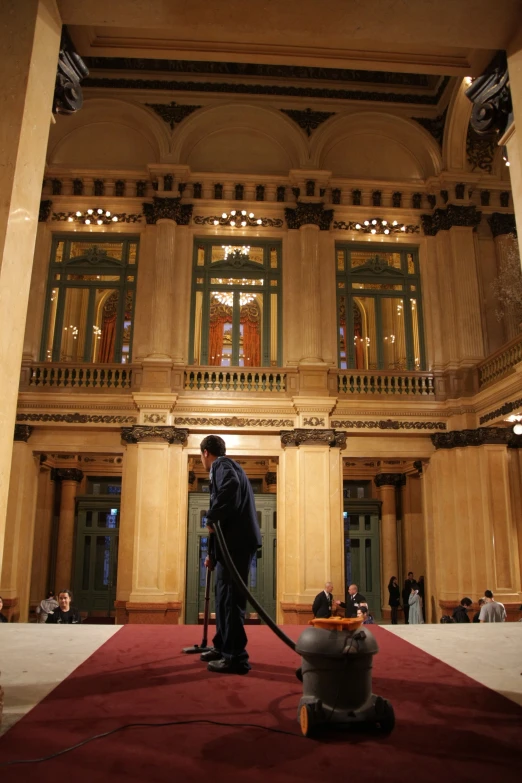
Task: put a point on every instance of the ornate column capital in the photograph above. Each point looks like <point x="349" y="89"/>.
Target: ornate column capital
<point x="271" y="478"/>
<point x="306" y="437"/>
<point x="390" y="480"/>
<point x="66" y="474"/>
<point x="68" y="96"/>
<point x="22" y="432"/>
<point x="143" y="434"/>
<point x="482" y="436"/>
<point x="168" y="209"/>
<point x="307" y="213"/>
<point x="452" y="215"/>
<point x="491" y="98"/>
<point x="502" y="223"/>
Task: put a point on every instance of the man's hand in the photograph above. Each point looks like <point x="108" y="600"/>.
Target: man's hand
<point x="337" y="603"/>
<point x="210" y="529"/>
<point x="209" y="563"/>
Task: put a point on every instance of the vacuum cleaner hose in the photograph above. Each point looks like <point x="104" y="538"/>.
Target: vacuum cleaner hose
<point x="244" y="589"/>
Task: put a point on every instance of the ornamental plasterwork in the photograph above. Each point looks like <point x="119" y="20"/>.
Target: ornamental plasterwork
<point x="233" y="421"/>
<point x="508" y="407"/>
<point x="172" y="113"/>
<point x="219" y="220"/>
<point x="155" y="418"/>
<point x="143" y="434"/>
<point x="311" y="437"/>
<point x="478" y="437"/>
<point x="76" y="418"/>
<point x="389" y="424"/>
<point x="307" y="119"/>
<point x="313" y="421"/>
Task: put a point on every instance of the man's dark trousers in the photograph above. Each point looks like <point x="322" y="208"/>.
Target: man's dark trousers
<point x="230" y="638"/>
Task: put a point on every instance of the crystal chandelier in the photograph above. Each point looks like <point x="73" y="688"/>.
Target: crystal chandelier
<point x="378" y="226"/>
<point x="227" y="297"/>
<point x="238" y="217"/>
<point x="235" y="250"/>
<point x="95" y="216"/>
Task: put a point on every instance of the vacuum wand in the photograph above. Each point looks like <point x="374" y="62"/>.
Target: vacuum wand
<point x="201" y="648"/>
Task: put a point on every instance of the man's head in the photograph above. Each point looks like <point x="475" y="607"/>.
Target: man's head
<point x="481" y="601"/>
<point x="488" y="595"/>
<point x="212" y="447"/>
<point x="64" y="599"/>
<point x="353" y="589"/>
<point x="410" y="574"/>
<point x="362" y="611"/>
<point x="466" y="602"/>
<point x="328" y="587"/>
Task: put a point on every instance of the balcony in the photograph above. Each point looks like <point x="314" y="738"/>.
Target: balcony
<point x="501" y="363"/>
<point x="79" y="377"/>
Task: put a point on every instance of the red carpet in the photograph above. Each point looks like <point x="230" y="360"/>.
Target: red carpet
<point x="449" y="728"/>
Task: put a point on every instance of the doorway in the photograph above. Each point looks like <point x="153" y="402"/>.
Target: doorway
<point x="362" y="550"/>
<point x="262" y="578"/>
<point x="97" y="538"/>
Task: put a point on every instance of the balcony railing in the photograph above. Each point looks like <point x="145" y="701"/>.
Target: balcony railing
<point x="414" y="384"/>
<point x="501" y="363"/>
<point x="251" y="380"/>
<point x="116" y="377"/>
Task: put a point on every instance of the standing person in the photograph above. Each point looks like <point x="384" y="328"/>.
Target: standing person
<point x="460" y="613"/>
<point x="415" y="606"/>
<point x="3" y="618"/>
<point x="232" y="504"/>
<point x="421" y="593"/>
<point x="406" y="592"/>
<point x="49" y="604"/>
<point x="476" y="616"/>
<point x="322" y="606"/>
<point x="354" y="601"/>
<point x="492" y="611"/>
<point x="65" y="613"/>
<point x="394" y="600"/>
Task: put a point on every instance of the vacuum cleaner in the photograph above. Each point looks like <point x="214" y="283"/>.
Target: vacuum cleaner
<point x="201" y="648"/>
<point x="336" y="667"/>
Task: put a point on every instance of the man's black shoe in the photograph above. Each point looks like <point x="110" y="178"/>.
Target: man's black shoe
<point x="228" y="667"/>
<point x="210" y="655"/>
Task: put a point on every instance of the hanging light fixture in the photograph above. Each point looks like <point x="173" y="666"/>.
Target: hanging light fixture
<point x="227" y="297"/>
<point x="237" y="218"/>
<point x="96" y="216"/>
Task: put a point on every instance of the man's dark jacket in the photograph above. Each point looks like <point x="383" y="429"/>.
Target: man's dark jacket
<point x="232" y="503"/>
<point x="322" y="606"/>
<point x="57" y="616"/>
<point x="353" y="603"/>
<point x="460" y="614"/>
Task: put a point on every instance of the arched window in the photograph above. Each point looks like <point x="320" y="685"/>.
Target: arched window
<point x="236" y="304"/>
<point x="90" y="300"/>
<point x="379" y="308"/>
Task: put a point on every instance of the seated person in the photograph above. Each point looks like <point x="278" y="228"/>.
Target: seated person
<point x="65" y="613"/>
<point x="476" y="616"/>
<point x="460" y="613"/>
<point x="49" y="604"/>
<point x="363" y="612"/>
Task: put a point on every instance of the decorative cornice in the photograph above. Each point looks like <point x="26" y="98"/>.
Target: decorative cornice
<point x="309" y="214"/>
<point x="502" y="223"/>
<point x="76" y="418"/>
<point x="390" y="480"/>
<point x="173" y="113"/>
<point x="45" y="211"/>
<point x="508" y="407"/>
<point x="491" y="98"/>
<point x="232" y="421"/>
<point x="434" y="125"/>
<point x="22" y="432"/>
<point x="68" y="96"/>
<point x="142" y="434"/>
<point x="308" y="119"/>
<point x="300" y="437"/>
<point x="452" y="215"/>
<point x="168" y="209"/>
<point x="66" y="474"/>
<point x="481" y="436"/>
<point x="388" y="424"/>
<point x="218" y="220"/>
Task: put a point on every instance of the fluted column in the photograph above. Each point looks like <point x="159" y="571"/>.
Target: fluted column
<point x="310" y="294"/>
<point x="29" y="45"/>
<point x="164" y="285"/>
<point x="42" y="536"/>
<point x="467" y="301"/>
<point x="70" y="478"/>
<point x="387" y="483"/>
<point x="504" y="251"/>
<point x="181" y="295"/>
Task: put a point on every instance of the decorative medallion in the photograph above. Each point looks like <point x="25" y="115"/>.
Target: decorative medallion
<point x="155" y="418"/>
<point x="308" y="119"/>
<point x="502" y="223"/>
<point x="388" y="424"/>
<point x="167" y="209"/>
<point x="173" y="113"/>
<point x="480" y="437"/>
<point x="452" y="215"/>
<point x="302" y="437"/>
<point x="142" y="434"/>
<point x="480" y="150"/>
<point x="309" y="214"/>
<point x="314" y="421"/>
<point x="390" y="480"/>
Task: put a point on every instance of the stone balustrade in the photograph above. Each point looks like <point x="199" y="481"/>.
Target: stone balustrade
<point x="108" y="377"/>
<point x="233" y="380"/>
<point x="389" y="384"/>
<point x="500" y="363"/>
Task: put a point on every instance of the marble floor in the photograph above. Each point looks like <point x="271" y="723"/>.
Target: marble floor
<point x="34" y="659"/>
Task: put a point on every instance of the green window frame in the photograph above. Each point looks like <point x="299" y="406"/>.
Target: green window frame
<point x="252" y="269"/>
<point x="379" y="307"/>
<point x="90" y="300"/>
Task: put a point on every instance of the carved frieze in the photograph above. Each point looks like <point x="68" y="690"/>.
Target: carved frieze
<point x="232" y="421"/>
<point x="168" y="209"/>
<point x="376" y="226"/>
<point x="502" y="223"/>
<point x="22" y="432"/>
<point x="314" y="421"/>
<point x="491" y="98"/>
<point x="66" y="474"/>
<point x="480" y="150"/>
<point x="504" y="410"/>
<point x="309" y="214"/>
<point x="143" y="434"/>
<point x="308" y="119"/>
<point x="172" y="113"/>
<point x="68" y="96"/>
<point x="390" y="480"/>
<point x="76" y="418"/>
<point x="452" y="215"/>
<point x="388" y="424"/>
<point x="479" y="437"/>
<point x="155" y="418"/>
<point x="312" y="437"/>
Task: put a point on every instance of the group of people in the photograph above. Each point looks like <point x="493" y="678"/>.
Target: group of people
<point x="490" y="611"/>
<point x="355" y="606"/>
<point x="412" y="600"/>
<point x="52" y="609"/>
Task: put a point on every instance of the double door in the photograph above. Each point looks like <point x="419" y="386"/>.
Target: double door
<point x="261" y="580"/>
<point x="362" y="550"/>
<point x="97" y="537"/>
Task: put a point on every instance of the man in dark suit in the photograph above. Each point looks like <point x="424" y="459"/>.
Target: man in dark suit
<point x="354" y="601"/>
<point x="232" y="503"/>
<point x="322" y="606"/>
<point x="406" y="592"/>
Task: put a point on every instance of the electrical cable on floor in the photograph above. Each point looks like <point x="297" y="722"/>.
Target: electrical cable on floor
<point x="148" y="726"/>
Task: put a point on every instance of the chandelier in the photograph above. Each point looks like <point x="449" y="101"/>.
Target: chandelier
<point x="97" y="216"/>
<point x="234" y="250"/>
<point x="237" y="217"/>
<point x="227" y="297"/>
<point x="376" y="226"/>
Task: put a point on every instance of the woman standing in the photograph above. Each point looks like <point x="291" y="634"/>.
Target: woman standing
<point x="394" y="599"/>
<point x="415" y="604"/>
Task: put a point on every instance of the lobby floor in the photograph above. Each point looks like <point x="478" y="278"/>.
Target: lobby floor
<point x="34" y="659"/>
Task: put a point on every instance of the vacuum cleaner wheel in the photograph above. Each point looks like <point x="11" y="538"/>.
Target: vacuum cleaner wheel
<point x="306" y="720"/>
<point x="385" y="715"/>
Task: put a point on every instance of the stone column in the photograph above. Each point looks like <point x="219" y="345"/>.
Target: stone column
<point x="70" y="478"/>
<point x="503" y="228"/>
<point x="310" y="299"/>
<point x="470" y="340"/>
<point x="30" y="39"/>
<point x="388" y="482"/>
<point x="433" y="312"/>
<point x="513" y="137"/>
<point x="310" y="525"/>
<point x="152" y="552"/>
<point x="42" y="536"/>
<point x="19" y="532"/>
<point x="164" y="286"/>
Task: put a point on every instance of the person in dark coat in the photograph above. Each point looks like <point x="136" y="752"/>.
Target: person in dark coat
<point x="406" y="592"/>
<point x="65" y="613"/>
<point x="232" y="504"/>
<point x="354" y="601"/>
<point x="322" y="606"/>
<point x="3" y="618"/>
<point x="460" y="613"/>
<point x="394" y="600"/>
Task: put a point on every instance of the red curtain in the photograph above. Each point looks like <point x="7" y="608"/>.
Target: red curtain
<point x="108" y="335"/>
<point x="250" y="317"/>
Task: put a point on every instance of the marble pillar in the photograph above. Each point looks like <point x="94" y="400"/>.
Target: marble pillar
<point x="40" y="582"/>
<point x="310" y="288"/>
<point x="470" y="343"/>
<point x="70" y="478"/>
<point x="389" y="564"/>
<point x="513" y="137"/>
<point x="29" y="44"/>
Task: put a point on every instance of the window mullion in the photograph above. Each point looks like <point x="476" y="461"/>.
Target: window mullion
<point x="120" y="317"/>
<point x="408" y="324"/>
<point x="350" y="331"/>
<point x="236" y="321"/>
<point x="378" y="332"/>
<point x="58" y="328"/>
<point x="87" y="348"/>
